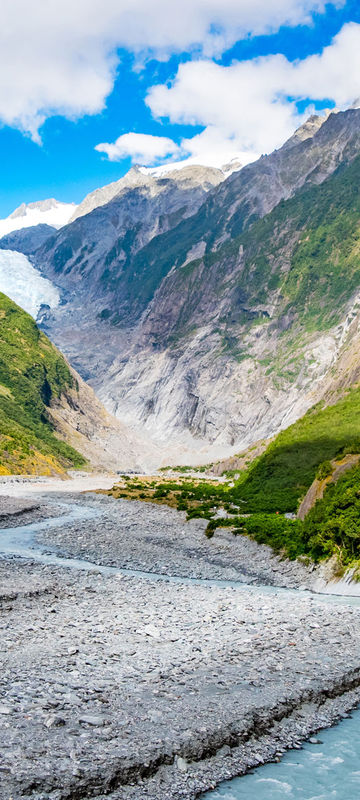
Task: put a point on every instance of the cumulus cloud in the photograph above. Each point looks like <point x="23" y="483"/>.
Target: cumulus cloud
<point x="62" y="58"/>
<point x="250" y="105"/>
<point x="143" y="148"/>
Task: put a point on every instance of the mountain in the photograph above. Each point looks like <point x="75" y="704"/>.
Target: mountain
<point x="49" y="419"/>
<point x="27" y="240"/>
<point x="45" y="212"/>
<point x="85" y="262"/>
<point x="153" y="182"/>
<point x="209" y="317"/>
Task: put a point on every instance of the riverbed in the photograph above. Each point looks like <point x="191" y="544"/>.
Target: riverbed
<point x="141" y="660"/>
<point x="326" y="768"/>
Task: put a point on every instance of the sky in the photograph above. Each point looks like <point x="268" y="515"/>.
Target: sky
<point x="89" y="88"/>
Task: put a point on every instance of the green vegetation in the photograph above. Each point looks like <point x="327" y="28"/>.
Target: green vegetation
<point x="281" y="476"/>
<point x="274" y="483"/>
<point x="333" y="525"/>
<point x="307" y="248"/>
<point x="32" y="372"/>
<point x="285" y="536"/>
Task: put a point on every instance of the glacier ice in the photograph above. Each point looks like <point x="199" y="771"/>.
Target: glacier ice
<point x="24" y="284"/>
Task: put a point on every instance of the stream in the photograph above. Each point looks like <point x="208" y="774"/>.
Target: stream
<point x="326" y="769"/>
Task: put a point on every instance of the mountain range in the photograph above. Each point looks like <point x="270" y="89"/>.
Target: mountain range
<point x="43" y="212"/>
<point x="50" y="420"/>
<point x="210" y="310"/>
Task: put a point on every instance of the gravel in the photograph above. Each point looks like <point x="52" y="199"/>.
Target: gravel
<point x="124" y="686"/>
<point x="156" y="538"/>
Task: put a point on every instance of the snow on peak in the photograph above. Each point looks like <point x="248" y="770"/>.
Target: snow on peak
<point x="215" y="162"/>
<point x="49" y="212"/>
<point x="24" y="284"/>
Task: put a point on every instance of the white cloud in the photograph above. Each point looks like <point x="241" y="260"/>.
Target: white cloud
<point x="143" y="148"/>
<point x="247" y="106"/>
<point x="61" y="59"/>
<point x="215" y="148"/>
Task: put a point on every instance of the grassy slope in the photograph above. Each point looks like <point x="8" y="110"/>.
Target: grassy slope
<point x="32" y="371"/>
<point x="307" y="250"/>
<point x="305" y="253"/>
<point x="333" y="524"/>
<point x="275" y="482"/>
<point x="282" y="475"/>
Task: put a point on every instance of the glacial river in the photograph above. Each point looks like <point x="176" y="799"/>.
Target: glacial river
<point x="327" y="770"/>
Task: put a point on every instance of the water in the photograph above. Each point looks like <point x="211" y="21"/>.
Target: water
<point x="21" y="542"/>
<point x="326" y="771"/>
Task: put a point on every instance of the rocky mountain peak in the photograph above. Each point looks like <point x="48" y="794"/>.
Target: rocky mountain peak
<point x="46" y="212"/>
<point x="149" y="178"/>
<point x="309" y="128"/>
<point x="39" y="205"/>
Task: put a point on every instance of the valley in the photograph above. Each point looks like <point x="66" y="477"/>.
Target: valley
<point x="180" y="471"/>
<point x="208" y="310"/>
<point x="122" y="682"/>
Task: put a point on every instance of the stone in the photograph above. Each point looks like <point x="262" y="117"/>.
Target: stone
<point x="55" y="721"/>
<point x="151" y="630"/>
<point x="5" y="709"/>
<point x="95" y="720"/>
<point x="181" y="764"/>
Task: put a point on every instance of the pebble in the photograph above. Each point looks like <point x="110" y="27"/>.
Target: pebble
<point x="140" y="671"/>
<point x="4" y="709"/>
<point x="92" y="719"/>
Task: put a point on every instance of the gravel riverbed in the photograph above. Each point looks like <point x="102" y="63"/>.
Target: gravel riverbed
<point x="124" y="686"/>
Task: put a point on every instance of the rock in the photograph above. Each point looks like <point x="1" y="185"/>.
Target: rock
<point x="181" y="764"/>
<point x="224" y="751"/>
<point x="4" y="709"/>
<point x="95" y="720"/>
<point x="55" y="721"/>
<point x="151" y="630"/>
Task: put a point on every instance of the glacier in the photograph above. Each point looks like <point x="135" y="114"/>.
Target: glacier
<point x="24" y="284"/>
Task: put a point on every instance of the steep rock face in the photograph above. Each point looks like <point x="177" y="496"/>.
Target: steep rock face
<point x="218" y="330"/>
<point x="27" y="240"/>
<point x="81" y="420"/>
<point x="97" y="253"/>
<point x="49" y="419"/>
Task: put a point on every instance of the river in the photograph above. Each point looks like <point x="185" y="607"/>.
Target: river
<point x="326" y="768"/>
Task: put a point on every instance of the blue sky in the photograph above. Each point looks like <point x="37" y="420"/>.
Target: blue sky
<point x="230" y="90"/>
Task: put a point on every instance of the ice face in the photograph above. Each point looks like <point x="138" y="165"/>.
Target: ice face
<point x="24" y="284"/>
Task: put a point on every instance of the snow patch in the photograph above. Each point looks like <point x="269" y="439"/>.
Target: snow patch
<point x="24" y="284"/>
<point x="48" y="212"/>
<point x="233" y="164"/>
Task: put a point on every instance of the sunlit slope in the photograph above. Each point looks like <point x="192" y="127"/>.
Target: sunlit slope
<point x="281" y="476"/>
<point x="32" y="373"/>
